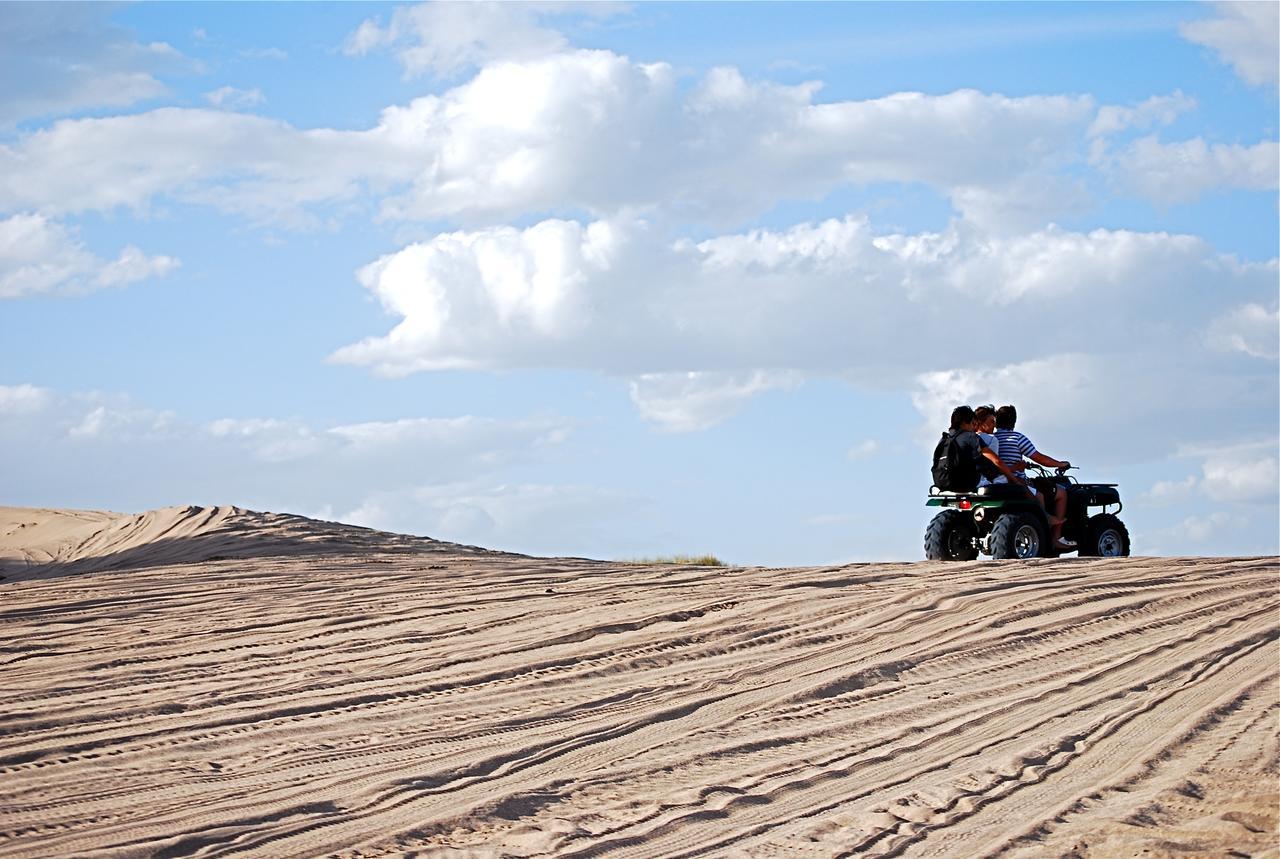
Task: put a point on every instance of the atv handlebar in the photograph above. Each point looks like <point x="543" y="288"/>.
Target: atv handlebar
<point x="1045" y="472"/>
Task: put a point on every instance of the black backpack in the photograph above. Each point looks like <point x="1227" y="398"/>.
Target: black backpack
<point x="951" y="471"/>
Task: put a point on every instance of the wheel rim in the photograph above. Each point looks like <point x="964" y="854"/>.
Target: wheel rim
<point x="1026" y="542"/>
<point x="1109" y="544"/>
<point x="957" y="543"/>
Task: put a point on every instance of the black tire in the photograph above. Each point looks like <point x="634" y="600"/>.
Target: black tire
<point x="1105" y="537"/>
<point x="1019" y="537"/>
<point x="950" y="537"/>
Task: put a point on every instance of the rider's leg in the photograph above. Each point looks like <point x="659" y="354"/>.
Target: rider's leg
<point x="1055" y="520"/>
<point x="1060" y="509"/>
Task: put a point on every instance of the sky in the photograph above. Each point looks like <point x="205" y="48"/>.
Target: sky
<point x="615" y="281"/>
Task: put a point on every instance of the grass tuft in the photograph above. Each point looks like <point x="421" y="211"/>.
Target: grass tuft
<point x="678" y="560"/>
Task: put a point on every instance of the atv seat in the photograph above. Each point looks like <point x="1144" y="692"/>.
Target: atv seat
<point x="1002" y="491"/>
<point x="935" y="492"/>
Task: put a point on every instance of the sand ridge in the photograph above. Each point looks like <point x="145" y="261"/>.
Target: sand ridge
<point x="46" y="543"/>
<point x="415" y="698"/>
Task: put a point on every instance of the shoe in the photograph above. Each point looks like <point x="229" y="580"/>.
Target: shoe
<point x="1064" y="545"/>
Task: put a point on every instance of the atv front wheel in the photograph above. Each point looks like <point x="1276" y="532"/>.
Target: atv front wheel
<point x="1017" y="536"/>
<point x="1105" y="537"/>
<point x="950" y="537"/>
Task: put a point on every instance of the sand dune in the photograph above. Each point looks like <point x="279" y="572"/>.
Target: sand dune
<point x="37" y="543"/>
<point x="214" y="681"/>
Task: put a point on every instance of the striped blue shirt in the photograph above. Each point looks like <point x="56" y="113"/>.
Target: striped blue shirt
<point x="1013" y="447"/>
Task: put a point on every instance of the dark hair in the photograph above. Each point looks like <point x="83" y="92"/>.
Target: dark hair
<point x="981" y="413"/>
<point x="1006" y="417"/>
<point x="960" y="415"/>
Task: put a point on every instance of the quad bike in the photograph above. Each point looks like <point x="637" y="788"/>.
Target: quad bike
<point x="1001" y="521"/>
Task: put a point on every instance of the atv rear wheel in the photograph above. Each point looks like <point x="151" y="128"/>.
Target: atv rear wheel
<point x="1105" y="537"/>
<point x="950" y="537"/>
<point x="1017" y="536"/>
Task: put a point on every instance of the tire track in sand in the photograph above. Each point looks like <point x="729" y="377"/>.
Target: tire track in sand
<point x="377" y="703"/>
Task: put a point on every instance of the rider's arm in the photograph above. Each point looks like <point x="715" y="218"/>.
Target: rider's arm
<point x="1049" y="461"/>
<point x="1004" y="469"/>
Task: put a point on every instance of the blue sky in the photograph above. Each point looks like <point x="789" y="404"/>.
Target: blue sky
<point x="616" y="280"/>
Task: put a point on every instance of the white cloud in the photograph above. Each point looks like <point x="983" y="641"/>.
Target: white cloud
<point x="1245" y="35"/>
<point x="407" y="433"/>
<point x="23" y="400"/>
<point x="423" y="473"/>
<point x="585" y="129"/>
<point x="1250" y="328"/>
<point x="1197" y="529"/>
<point x="1242" y="472"/>
<point x="1247" y="472"/>
<point x="527" y="517"/>
<point x="42" y="256"/>
<point x="594" y="131"/>
<point x="1167" y="492"/>
<point x="700" y="328"/>
<point x="380" y="444"/>
<point x="238" y="162"/>
<point x="1158" y="110"/>
<point x="271" y="439"/>
<point x="863" y="450"/>
<point x="828" y="297"/>
<point x="1182" y="172"/>
<point x="1070" y="403"/>
<point x="115" y="418"/>
<point x="444" y="37"/>
<point x="684" y="402"/>
<point x="229" y="96"/>
<point x="59" y="58"/>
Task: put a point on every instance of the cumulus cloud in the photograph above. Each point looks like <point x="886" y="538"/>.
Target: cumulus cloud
<point x="1158" y="110"/>
<point x="701" y="327"/>
<point x="444" y="37"/>
<point x="238" y="162"/>
<point x="118" y="420"/>
<point x="864" y="449"/>
<point x="368" y="445"/>
<point x="683" y="402"/>
<point x="1250" y="328"/>
<point x="38" y="256"/>
<point x="271" y="439"/>
<point x="58" y="59"/>
<point x="1184" y="171"/>
<point x="1245" y="35"/>
<point x="1069" y="403"/>
<point x="1167" y="492"/>
<point x="18" y="400"/>
<point x="528" y="517"/>
<point x="230" y="97"/>
<point x="582" y="129"/>
<point x="1245" y="472"/>
<point x="595" y="131"/>
<point x="1246" y="478"/>
<point x="93" y="446"/>
<point x="615" y="296"/>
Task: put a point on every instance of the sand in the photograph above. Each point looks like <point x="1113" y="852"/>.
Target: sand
<point x="213" y="681"/>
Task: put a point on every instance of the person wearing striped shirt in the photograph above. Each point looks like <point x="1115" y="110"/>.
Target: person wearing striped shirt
<point x="1013" y="447"/>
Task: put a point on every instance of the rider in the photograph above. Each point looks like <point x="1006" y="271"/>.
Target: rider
<point x="973" y="451"/>
<point x="984" y="424"/>
<point x="1013" y="446"/>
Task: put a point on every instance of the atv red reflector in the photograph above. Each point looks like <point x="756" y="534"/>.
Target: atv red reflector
<point x="965" y="504"/>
